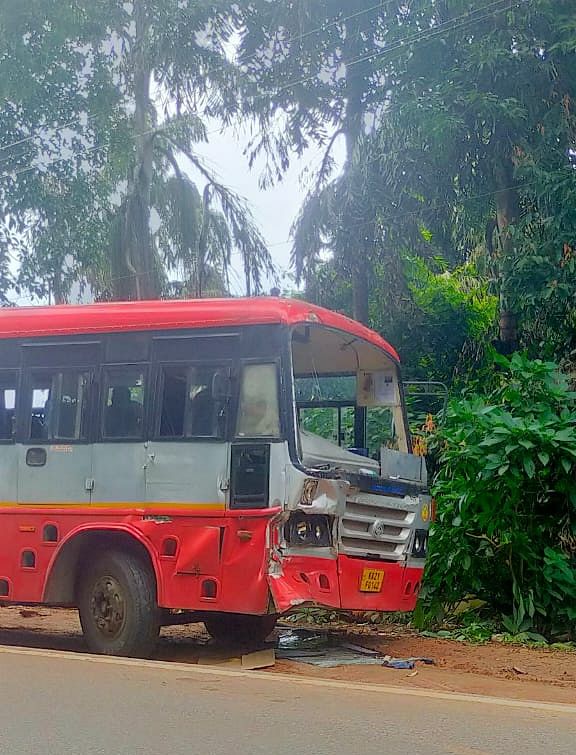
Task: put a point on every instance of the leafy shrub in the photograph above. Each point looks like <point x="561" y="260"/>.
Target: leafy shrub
<point x="506" y="528"/>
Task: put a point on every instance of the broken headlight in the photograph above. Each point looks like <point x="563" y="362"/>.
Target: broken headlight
<point x="305" y="529"/>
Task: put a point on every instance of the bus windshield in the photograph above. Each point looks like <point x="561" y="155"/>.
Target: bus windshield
<point x="333" y="403"/>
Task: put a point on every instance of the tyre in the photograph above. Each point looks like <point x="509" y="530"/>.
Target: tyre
<point x="117" y="606"/>
<point x="239" y="628"/>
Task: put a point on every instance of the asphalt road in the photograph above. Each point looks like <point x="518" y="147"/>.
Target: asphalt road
<point x="52" y="705"/>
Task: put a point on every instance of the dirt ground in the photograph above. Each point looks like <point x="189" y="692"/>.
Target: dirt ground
<point x="493" y="669"/>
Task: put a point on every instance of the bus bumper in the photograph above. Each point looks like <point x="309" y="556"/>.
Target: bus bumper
<point x="344" y="583"/>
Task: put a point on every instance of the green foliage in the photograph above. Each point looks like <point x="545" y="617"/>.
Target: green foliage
<point x="448" y="296"/>
<point x="468" y="628"/>
<point x="439" y="320"/>
<point x="506" y="529"/>
<point x="454" y="314"/>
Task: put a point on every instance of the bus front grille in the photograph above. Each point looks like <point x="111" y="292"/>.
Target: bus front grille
<point x="377" y="526"/>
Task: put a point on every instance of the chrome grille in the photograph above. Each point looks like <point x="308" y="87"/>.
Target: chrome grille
<point x="377" y="526"/>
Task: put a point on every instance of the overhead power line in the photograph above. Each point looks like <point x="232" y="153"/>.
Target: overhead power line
<point x="419" y="37"/>
<point x="335" y="21"/>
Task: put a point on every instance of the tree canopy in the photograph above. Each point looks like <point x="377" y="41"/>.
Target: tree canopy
<point x="103" y="106"/>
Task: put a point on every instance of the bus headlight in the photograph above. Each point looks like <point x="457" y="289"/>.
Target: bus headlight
<point x="312" y="530"/>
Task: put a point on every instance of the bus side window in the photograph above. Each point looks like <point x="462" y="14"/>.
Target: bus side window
<point x="59" y="405"/>
<point x="259" y="410"/>
<point x="124" y="403"/>
<point x="191" y="407"/>
<point x="7" y="405"/>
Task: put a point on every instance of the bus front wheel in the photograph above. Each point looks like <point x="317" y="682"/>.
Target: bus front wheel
<point x="117" y="606"/>
<point x="239" y="628"/>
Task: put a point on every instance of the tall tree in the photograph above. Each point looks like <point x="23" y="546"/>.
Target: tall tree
<point x="317" y="79"/>
<point x="459" y="129"/>
<point x="104" y="102"/>
<point x="56" y="95"/>
<point x="482" y="101"/>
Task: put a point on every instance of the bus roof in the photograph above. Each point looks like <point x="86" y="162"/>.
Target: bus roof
<point x="110" y="317"/>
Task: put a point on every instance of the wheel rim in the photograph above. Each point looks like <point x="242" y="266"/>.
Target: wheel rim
<point x="108" y="607"/>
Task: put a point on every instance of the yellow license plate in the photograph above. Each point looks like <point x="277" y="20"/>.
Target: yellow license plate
<point x="371" y="580"/>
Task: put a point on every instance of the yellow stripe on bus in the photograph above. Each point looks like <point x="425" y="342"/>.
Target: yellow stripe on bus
<point x="115" y="505"/>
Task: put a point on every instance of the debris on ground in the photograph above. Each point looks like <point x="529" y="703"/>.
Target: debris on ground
<point x="406" y="663"/>
<point x="28" y="614"/>
<point x="322" y="649"/>
<point x="259" y="659"/>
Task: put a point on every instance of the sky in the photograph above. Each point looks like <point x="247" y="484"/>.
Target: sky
<point x="274" y="209"/>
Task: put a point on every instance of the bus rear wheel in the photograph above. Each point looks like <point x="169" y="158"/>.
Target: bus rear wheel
<point x="239" y="628"/>
<point x="117" y="606"/>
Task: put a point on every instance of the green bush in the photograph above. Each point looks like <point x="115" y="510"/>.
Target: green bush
<point x="506" y="527"/>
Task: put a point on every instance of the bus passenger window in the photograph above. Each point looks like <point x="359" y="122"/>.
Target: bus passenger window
<point x="124" y="403"/>
<point x="191" y="407"/>
<point x="259" y="411"/>
<point x="7" y="405"/>
<point x="59" y="405"/>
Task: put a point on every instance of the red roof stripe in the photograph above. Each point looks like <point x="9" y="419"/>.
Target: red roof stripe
<point x="20" y="322"/>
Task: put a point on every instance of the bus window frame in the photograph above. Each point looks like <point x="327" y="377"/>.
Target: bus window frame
<point x="111" y="341"/>
<point x="24" y="406"/>
<point x="158" y="396"/>
<point x="60" y="348"/>
<point x="283" y="434"/>
<point x="291" y="404"/>
<point x="102" y="393"/>
<point x="17" y="372"/>
<point x="185" y="338"/>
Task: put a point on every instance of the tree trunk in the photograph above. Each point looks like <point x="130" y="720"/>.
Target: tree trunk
<point x="356" y="259"/>
<point x="203" y="243"/>
<point x="135" y="262"/>
<point x="248" y="275"/>
<point x="58" y="289"/>
<point x="507" y="215"/>
<point x="361" y="291"/>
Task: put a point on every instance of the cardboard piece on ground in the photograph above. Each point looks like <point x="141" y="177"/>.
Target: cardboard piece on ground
<point x="215" y="661"/>
<point x="259" y="659"/>
<point x="249" y="661"/>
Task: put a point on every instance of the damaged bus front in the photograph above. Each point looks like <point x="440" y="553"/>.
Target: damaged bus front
<point x="354" y="530"/>
<point x="214" y="460"/>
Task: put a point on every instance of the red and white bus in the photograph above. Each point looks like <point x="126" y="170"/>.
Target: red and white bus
<point x="229" y="459"/>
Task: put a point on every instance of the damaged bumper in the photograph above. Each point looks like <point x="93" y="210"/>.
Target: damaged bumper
<point x="346" y="583"/>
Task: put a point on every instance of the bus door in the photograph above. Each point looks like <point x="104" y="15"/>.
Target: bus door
<point x="187" y="460"/>
<point x="54" y="455"/>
